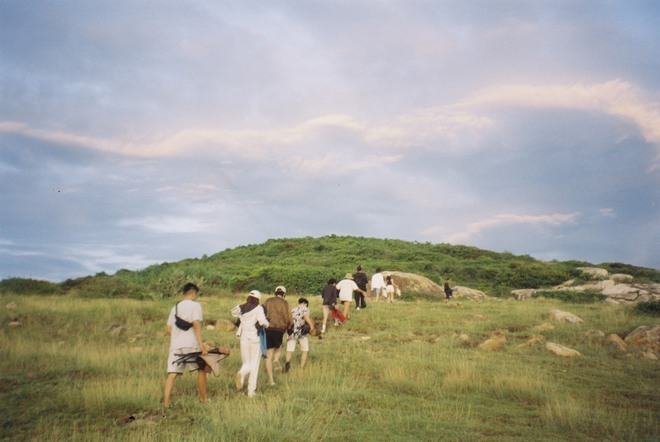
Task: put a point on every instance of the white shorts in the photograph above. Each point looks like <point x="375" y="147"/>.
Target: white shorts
<point x="390" y="289"/>
<point x="291" y="344"/>
<point x="173" y="367"/>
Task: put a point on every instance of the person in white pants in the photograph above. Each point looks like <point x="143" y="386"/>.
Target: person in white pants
<point x="250" y="314"/>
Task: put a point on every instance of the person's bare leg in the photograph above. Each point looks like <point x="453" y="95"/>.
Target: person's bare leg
<point x="276" y="357"/>
<point x="169" y="385"/>
<point x="201" y="385"/>
<point x="347" y="308"/>
<point x="326" y="313"/>
<point x="269" y="365"/>
<point x="303" y="359"/>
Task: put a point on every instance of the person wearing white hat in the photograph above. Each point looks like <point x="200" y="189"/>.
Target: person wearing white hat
<point x="346" y="288"/>
<point x="250" y="314"/>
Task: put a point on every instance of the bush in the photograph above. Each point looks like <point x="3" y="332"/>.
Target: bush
<point x="570" y="296"/>
<point x="651" y="308"/>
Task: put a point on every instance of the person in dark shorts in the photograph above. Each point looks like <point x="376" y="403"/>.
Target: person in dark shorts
<point x="280" y="320"/>
<point x="329" y="295"/>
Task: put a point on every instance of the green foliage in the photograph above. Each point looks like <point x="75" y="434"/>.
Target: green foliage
<point x="571" y="296"/>
<point x="304" y="265"/>
<point x="651" y="308"/>
<point x="641" y="274"/>
<point x="29" y="286"/>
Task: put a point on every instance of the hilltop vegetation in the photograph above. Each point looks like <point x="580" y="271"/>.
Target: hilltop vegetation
<point x="305" y="264"/>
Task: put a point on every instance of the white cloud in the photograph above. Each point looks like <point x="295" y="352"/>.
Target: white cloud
<point x="166" y="224"/>
<point x="475" y="229"/>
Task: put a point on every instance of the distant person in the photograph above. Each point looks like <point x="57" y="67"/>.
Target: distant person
<point x="183" y="326"/>
<point x="346" y="288"/>
<point x="390" y="288"/>
<point x="280" y="320"/>
<point x="329" y="295"/>
<point x="377" y="283"/>
<point x="303" y="325"/>
<point x="251" y="315"/>
<point x="449" y="293"/>
<point x="361" y="279"/>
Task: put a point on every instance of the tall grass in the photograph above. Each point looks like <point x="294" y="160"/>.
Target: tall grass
<point x="92" y="369"/>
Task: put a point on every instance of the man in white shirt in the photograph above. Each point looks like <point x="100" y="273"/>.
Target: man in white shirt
<point x="185" y="341"/>
<point x="346" y="288"/>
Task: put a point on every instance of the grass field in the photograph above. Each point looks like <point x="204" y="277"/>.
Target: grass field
<point x="93" y="369"/>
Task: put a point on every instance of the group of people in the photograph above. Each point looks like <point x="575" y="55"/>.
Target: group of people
<point x="261" y="328"/>
<point x="257" y="325"/>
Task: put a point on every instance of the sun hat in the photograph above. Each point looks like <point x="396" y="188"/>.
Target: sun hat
<point x="348" y="276"/>
<point x="255" y="294"/>
<point x="280" y="288"/>
<point x="211" y="361"/>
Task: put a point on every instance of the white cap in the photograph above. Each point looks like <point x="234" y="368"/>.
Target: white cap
<point x="255" y="294"/>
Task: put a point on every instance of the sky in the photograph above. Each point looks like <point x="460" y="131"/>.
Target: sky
<point x="136" y="132"/>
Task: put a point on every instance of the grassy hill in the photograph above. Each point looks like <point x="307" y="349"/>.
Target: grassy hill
<point x="305" y="264"/>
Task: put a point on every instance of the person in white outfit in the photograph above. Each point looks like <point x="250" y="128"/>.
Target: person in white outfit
<point x="250" y="314"/>
<point x="377" y="283"/>
<point x="346" y="288"/>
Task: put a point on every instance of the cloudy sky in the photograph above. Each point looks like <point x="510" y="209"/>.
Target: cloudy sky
<point x="136" y="132"/>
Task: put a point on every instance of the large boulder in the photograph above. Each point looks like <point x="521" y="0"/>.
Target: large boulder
<point x="466" y="292"/>
<point x="412" y="282"/>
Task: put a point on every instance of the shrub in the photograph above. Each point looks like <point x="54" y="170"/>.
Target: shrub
<point x="651" y="308"/>
<point x="570" y="296"/>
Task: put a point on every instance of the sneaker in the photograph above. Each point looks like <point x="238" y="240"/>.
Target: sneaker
<point x="287" y="366"/>
<point x="251" y="394"/>
<point x="357" y="308"/>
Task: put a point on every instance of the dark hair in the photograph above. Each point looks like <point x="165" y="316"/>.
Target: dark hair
<point x="303" y="301"/>
<point x="359" y="268"/>
<point x="250" y="303"/>
<point x="188" y="287"/>
<point x="332" y="281"/>
<point x="378" y="270"/>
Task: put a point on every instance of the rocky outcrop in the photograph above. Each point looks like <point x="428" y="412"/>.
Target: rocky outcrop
<point x="645" y="337"/>
<point x="618" y="288"/>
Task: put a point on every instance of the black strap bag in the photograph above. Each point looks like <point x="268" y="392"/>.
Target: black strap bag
<point x="181" y="323"/>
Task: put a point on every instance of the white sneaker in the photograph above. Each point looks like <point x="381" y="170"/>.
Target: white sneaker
<point x="357" y="308"/>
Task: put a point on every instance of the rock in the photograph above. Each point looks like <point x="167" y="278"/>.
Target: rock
<point x="593" y="333"/>
<point x="649" y="355"/>
<point x="561" y="316"/>
<point x="495" y="342"/>
<point x="466" y="292"/>
<point x="616" y="342"/>
<point x="594" y="272"/>
<point x="10" y="305"/>
<point x="411" y="282"/>
<point x="225" y="325"/>
<point x="560" y="350"/>
<point x="543" y="327"/>
<point x="533" y="340"/>
<point x="622" y="278"/>
<point x="611" y="301"/>
<point x="115" y="330"/>
<point x="622" y="291"/>
<point x="522" y="294"/>
<point x="647" y="337"/>
<point x="15" y="322"/>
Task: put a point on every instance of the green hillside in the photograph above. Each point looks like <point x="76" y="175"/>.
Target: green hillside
<point x="305" y="264"/>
